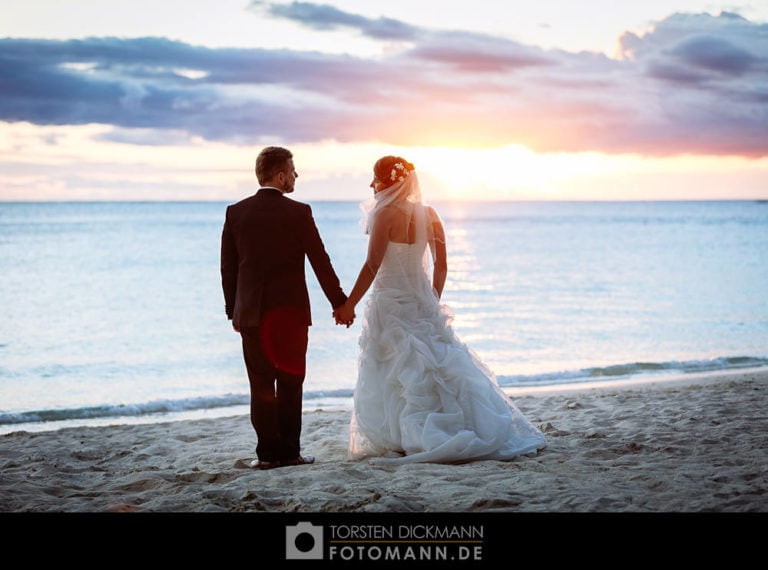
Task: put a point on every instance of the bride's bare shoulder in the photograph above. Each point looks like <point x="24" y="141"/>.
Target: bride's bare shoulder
<point x="432" y="214"/>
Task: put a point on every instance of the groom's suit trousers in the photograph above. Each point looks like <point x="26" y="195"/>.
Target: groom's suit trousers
<point x="275" y="359"/>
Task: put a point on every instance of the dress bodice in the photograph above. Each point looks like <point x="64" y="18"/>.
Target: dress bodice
<point x="402" y="266"/>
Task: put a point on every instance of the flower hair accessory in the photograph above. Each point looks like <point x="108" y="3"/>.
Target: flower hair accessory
<point x="399" y="176"/>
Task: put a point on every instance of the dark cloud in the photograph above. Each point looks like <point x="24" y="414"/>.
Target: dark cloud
<point x="714" y="54"/>
<point x="694" y="84"/>
<point x="471" y="53"/>
<point x="324" y="17"/>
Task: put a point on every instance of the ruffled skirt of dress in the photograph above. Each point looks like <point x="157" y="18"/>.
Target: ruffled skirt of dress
<point x="424" y="396"/>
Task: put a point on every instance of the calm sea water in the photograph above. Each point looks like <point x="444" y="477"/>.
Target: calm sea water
<point x="113" y="312"/>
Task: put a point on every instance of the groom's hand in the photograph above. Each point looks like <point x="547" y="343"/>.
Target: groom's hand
<point x="338" y="319"/>
<point x="344" y="317"/>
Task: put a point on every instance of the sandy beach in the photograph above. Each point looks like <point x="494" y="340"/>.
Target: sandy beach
<point x="695" y="445"/>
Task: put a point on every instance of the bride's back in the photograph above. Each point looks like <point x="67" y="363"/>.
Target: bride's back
<point x="401" y="229"/>
<point x="402" y="224"/>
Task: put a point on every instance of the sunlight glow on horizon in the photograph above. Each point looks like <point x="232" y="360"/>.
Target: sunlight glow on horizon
<point x="75" y="163"/>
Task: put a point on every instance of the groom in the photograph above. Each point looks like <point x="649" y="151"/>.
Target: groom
<point x="263" y="247"/>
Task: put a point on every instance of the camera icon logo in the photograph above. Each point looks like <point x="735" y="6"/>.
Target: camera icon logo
<point x="304" y="541"/>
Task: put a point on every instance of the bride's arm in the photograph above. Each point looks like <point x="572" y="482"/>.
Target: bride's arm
<point x="377" y="247"/>
<point x="439" y="254"/>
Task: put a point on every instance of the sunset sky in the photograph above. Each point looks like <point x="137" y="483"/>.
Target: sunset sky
<point x="491" y="99"/>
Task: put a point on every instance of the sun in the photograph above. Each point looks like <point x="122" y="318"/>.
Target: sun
<point x="465" y="173"/>
<point x="513" y="172"/>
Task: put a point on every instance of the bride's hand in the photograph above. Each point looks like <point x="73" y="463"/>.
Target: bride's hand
<point x="344" y="315"/>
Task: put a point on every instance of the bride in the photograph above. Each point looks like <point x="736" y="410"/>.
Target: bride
<point x="421" y="395"/>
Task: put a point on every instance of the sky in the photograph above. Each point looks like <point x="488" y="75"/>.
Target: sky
<point x="491" y="100"/>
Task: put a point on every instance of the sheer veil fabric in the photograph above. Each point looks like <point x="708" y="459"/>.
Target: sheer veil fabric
<point x="422" y="395"/>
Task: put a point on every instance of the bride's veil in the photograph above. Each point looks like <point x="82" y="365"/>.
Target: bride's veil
<point x="405" y="195"/>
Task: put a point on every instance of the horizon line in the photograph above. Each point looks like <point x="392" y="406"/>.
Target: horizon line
<point x="439" y="200"/>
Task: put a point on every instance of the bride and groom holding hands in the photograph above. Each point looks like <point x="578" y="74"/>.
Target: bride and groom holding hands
<point x="421" y="394"/>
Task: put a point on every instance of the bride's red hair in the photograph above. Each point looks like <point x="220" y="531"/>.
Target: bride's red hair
<point x="384" y="167"/>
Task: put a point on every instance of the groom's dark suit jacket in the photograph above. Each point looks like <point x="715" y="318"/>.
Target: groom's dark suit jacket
<point x="264" y="243"/>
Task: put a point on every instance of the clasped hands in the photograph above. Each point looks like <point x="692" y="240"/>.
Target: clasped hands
<point x="344" y="315"/>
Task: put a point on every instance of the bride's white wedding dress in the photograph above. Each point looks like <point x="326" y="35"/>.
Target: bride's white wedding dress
<point x="422" y="395"/>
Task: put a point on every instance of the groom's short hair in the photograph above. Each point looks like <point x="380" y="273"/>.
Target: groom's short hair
<point x="271" y="160"/>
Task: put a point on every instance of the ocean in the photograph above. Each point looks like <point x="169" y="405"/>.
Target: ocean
<point x="112" y="312"/>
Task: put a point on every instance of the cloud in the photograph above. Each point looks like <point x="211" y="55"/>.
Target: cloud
<point x="694" y="84"/>
<point x="324" y="17"/>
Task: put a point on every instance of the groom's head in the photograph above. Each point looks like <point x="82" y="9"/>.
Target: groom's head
<point x="274" y="167"/>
